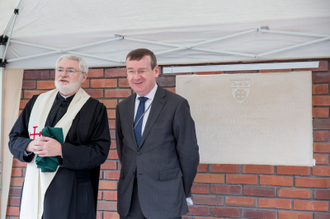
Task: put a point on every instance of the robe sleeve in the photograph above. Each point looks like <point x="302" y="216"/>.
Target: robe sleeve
<point x="88" y="141"/>
<point x="19" y="134"/>
<point x="119" y="136"/>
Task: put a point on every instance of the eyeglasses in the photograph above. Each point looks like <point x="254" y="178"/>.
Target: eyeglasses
<point x="140" y="71"/>
<point x="68" y="71"/>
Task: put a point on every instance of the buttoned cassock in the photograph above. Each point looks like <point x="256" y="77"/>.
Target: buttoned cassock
<point x="166" y="162"/>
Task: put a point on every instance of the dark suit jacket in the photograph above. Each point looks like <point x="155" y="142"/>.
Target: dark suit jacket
<point x="166" y="162"/>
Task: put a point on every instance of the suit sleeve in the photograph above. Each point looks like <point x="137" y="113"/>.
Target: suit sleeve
<point x="186" y="144"/>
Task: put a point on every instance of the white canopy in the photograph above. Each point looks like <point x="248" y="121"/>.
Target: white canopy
<point x="178" y="31"/>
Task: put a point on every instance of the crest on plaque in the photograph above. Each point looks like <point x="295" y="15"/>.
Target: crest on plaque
<point x="240" y="89"/>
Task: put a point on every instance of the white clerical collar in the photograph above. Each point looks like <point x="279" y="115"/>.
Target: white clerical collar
<point x="65" y="97"/>
<point x="151" y="94"/>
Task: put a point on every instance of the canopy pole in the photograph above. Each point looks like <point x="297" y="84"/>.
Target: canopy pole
<point x="207" y="41"/>
<point x="65" y="50"/>
<point x="227" y="52"/>
<point x="11" y="18"/>
<point x="2" y="89"/>
<point x="240" y="67"/>
<point x="71" y="48"/>
<point x="293" y="33"/>
<point x="4" y="44"/>
<point x="12" y="28"/>
<point x="293" y="47"/>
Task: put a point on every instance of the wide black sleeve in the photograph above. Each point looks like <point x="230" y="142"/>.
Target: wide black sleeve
<point x="19" y="135"/>
<point x="119" y="135"/>
<point x="88" y="141"/>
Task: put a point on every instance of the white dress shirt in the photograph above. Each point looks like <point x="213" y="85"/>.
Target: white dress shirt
<point x="147" y="106"/>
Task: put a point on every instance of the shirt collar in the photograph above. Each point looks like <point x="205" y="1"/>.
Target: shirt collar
<point x="151" y="94"/>
<point x="68" y="98"/>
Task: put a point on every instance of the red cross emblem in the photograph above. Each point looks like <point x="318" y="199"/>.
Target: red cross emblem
<point x="34" y="132"/>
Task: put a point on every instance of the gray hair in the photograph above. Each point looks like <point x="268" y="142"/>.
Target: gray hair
<point x="83" y="67"/>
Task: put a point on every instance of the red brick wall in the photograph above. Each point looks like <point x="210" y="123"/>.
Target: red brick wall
<point x="220" y="190"/>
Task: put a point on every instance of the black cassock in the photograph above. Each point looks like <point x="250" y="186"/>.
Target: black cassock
<point x="72" y="193"/>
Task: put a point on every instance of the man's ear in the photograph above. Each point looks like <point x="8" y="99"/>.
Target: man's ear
<point x="157" y="71"/>
<point x="84" y="77"/>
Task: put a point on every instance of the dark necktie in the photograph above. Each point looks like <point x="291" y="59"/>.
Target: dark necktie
<point x="139" y="120"/>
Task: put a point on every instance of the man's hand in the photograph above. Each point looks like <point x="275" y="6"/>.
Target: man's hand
<point x="45" y="147"/>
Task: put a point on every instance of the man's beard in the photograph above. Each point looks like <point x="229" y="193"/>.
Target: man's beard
<point x="69" y="88"/>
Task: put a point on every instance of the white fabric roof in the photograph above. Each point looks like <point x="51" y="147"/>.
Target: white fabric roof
<point x="165" y="25"/>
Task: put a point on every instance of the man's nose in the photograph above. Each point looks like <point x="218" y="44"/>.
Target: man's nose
<point x="136" y="75"/>
<point x="63" y="74"/>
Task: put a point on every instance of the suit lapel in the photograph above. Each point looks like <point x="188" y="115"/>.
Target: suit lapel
<point x="156" y="108"/>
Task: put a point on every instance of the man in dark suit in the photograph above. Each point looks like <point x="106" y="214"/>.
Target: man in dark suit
<point x="156" y="143"/>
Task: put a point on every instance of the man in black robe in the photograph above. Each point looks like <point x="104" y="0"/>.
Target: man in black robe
<point x="72" y="193"/>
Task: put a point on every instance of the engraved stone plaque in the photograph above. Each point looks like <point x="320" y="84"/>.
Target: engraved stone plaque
<point x="252" y="118"/>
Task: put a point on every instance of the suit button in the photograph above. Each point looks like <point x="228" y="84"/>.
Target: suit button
<point x="139" y="153"/>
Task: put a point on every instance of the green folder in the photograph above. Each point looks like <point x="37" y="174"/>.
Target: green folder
<point x="49" y="164"/>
